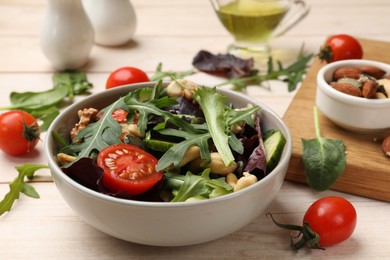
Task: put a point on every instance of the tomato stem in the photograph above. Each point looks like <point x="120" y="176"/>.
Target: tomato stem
<point x="326" y="53"/>
<point x="309" y="238"/>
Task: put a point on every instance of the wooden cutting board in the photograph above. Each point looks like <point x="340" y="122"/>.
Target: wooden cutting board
<point x="368" y="170"/>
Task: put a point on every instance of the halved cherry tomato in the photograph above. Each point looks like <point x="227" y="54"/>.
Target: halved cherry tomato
<point x="19" y="132"/>
<point x="128" y="168"/>
<point x="332" y="218"/>
<point x="341" y="47"/>
<point x="126" y="75"/>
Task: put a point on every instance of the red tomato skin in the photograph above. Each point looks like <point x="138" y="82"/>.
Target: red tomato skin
<point x="126" y="75"/>
<point x="12" y="140"/>
<point x="333" y="218"/>
<point x="344" y="47"/>
<point x="133" y="186"/>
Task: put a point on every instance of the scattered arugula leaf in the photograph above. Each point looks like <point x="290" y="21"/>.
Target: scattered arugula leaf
<point x="159" y="74"/>
<point x="45" y="105"/>
<point x="20" y="186"/>
<point x="292" y="75"/>
<point x="324" y="159"/>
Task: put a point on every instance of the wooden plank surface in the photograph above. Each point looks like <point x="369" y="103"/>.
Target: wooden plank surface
<point x="368" y="170"/>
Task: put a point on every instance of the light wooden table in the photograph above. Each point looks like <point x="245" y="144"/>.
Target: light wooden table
<point x="172" y="32"/>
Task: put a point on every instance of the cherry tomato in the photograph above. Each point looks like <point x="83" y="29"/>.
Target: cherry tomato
<point x="341" y="47"/>
<point x="126" y="75"/>
<point x="332" y="218"/>
<point x="19" y="132"/>
<point x="328" y="221"/>
<point x="119" y="115"/>
<point x="128" y="168"/>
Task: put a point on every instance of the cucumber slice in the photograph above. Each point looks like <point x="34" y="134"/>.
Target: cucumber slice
<point x="273" y="146"/>
<point x="158" y="145"/>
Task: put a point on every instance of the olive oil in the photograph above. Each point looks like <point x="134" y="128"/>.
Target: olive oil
<point x="251" y="20"/>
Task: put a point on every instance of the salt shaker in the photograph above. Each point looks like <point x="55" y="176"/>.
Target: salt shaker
<point x="114" y="21"/>
<point x="67" y="35"/>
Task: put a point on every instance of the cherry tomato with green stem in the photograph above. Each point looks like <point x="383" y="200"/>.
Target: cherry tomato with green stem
<point x="328" y="221"/>
<point x="126" y="75"/>
<point x="341" y="47"/>
<point x="128" y="168"/>
<point x="19" y="132"/>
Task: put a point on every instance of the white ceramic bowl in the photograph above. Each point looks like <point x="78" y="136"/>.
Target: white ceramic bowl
<point x="163" y="223"/>
<point x="353" y="113"/>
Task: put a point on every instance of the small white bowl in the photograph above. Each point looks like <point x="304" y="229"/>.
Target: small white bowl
<point x="352" y="113"/>
<point x="164" y="223"/>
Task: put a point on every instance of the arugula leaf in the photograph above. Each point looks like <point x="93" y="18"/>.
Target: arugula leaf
<point x="176" y="152"/>
<point x="152" y="107"/>
<point x="292" y="75"/>
<point x="159" y="74"/>
<point x="236" y="116"/>
<point x="195" y="186"/>
<point x="98" y="135"/>
<point x="213" y="105"/>
<point x="324" y="159"/>
<point x="20" y="186"/>
<point x="204" y="131"/>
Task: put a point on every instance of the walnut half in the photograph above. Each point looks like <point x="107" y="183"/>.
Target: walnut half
<point x="86" y="116"/>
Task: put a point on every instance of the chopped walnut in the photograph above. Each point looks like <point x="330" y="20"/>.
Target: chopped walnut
<point x="87" y="115"/>
<point x="64" y="158"/>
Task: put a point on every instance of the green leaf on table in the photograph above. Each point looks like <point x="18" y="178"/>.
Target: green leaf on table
<point x="75" y="81"/>
<point x="46" y="116"/>
<point x="45" y="105"/>
<point x="18" y="185"/>
<point x="292" y="74"/>
<point x="324" y="159"/>
<point x="159" y="74"/>
<point x="30" y="101"/>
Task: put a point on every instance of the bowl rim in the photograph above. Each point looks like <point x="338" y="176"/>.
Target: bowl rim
<point x="323" y="85"/>
<point x="49" y="144"/>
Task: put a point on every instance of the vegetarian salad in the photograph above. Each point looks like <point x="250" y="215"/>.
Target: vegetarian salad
<point x="179" y="143"/>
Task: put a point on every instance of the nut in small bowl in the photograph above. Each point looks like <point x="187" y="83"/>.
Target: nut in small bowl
<point x="355" y="94"/>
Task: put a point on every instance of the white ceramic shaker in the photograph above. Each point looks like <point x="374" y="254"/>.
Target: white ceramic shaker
<point x="114" y="21"/>
<point x="67" y="35"/>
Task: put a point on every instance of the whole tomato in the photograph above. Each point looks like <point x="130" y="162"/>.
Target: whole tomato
<point x="332" y="218"/>
<point x="19" y="132"/>
<point x="341" y="47"/>
<point x="126" y="75"/>
<point x="328" y="221"/>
